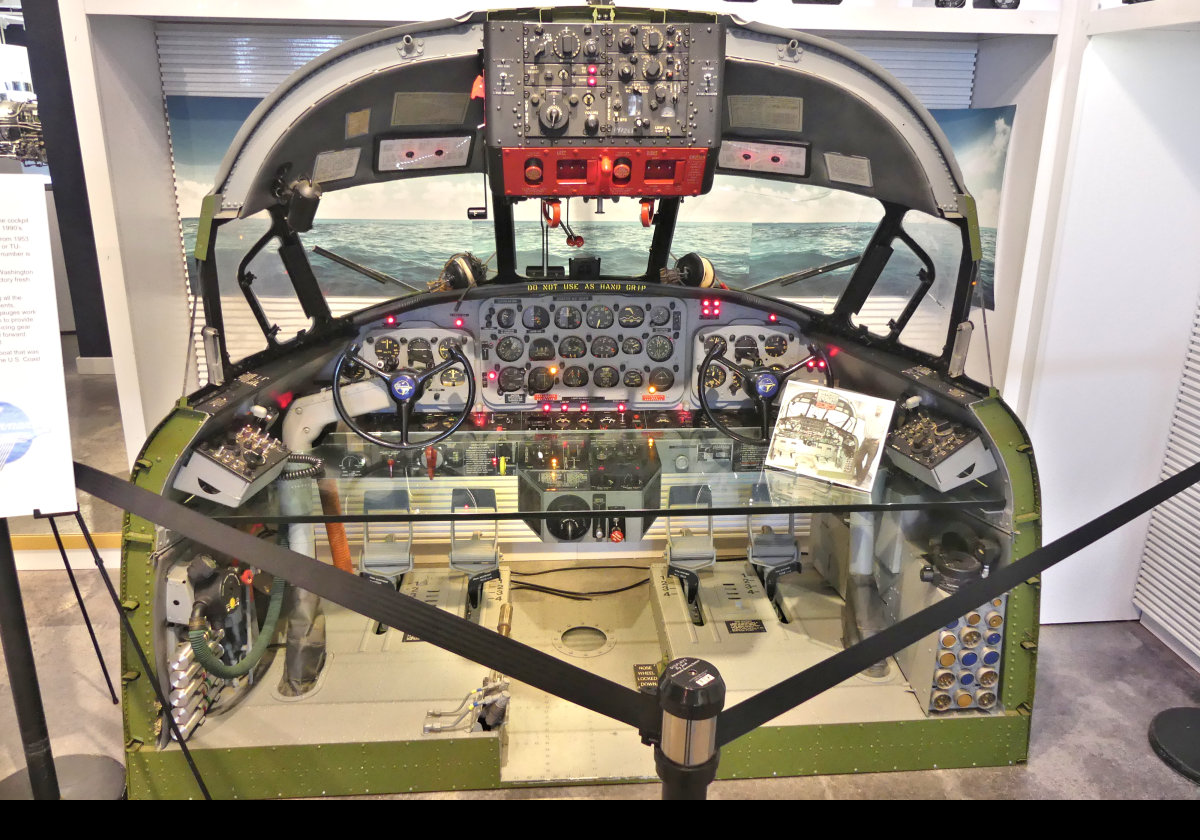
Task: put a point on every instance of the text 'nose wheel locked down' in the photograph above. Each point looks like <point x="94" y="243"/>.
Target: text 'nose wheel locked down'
<point x="762" y="384"/>
<point x="405" y="387"/>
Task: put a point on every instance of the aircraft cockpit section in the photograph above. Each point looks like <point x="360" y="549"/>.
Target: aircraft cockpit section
<point x="583" y="459"/>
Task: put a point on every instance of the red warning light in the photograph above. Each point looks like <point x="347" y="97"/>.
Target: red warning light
<point x="592" y="69"/>
<point x="772" y="317"/>
<point x="458" y="322"/>
<point x="389" y="320"/>
<point x="583" y="407"/>
<point x="491" y="374"/>
<point x="821" y="364"/>
<point x="591" y="81"/>
<point x="621" y="407"/>
<point x="545" y="406"/>
<point x="562" y="407"/>
<point x="706" y="303"/>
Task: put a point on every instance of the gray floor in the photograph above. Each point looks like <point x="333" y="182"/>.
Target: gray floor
<point x="1099" y="685"/>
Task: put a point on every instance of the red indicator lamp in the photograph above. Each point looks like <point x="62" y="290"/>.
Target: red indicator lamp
<point x="389" y="320"/>
<point x="772" y="317"/>
<point x="591" y="81"/>
<point x="583" y="407"/>
<point x="491" y="374"/>
<point x="562" y="407"/>
<point x="592" y="69"/>
<point x="821" y="364"/>
<point x="458" y="322"/>
<point x="545" y="406"/>
<point x="620" y="408"/>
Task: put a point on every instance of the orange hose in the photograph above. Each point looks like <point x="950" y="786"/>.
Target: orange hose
<point x="331" y="505"/>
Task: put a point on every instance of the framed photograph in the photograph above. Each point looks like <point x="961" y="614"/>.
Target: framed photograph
<point x="830" y="434"/>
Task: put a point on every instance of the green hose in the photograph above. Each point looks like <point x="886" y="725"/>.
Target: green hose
<point x="209" y="661"/>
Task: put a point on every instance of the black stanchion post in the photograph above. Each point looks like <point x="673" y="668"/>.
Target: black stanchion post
<point x="22" y="676"/>
<point x="691" y="694"/>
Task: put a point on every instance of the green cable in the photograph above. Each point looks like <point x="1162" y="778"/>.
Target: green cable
<point x="209" y="661"/>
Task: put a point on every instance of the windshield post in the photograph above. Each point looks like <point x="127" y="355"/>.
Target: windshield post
<point x="964" y="289"/>
<point x="506" y="245"/>
<point x="874" y="258"/>
<point x="210" y="291"/>
<point x="664" y="232"/>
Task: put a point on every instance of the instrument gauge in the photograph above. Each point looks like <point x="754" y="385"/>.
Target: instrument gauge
<point x="540" y="380"/>
<point x="572" y="347"/>
<point x="714" y="377"/>
<point x="659" y="316"/>
<point x="575" y="377"/>
<point x="452" y="377"/>
<point x="567" y="318"/>
<point x="631" y="316"/>
<point x="745" y="348"/>
<point x="541" y="349"/>
<point x="631" y="346"/>
<point x="715" y="341"/>
<point x="510" y="349"/>
<point x="352" y="371"/>
<point x="633" y="379"/>
<point x="535" y="318"/>
<point x="420" y="354"/>
<point x="604" y="347"/>
<point x="661" y="379"/>
<point x="660" y="348"/>
<point x="506" y="318"/>
<point x="775" y="346"/>
<point x="511" y="379"/>
<point x="605" y="377"/>
<point x="387" y="350"/>
<point x="444" y="347"/>
<point x="600" y="317"/>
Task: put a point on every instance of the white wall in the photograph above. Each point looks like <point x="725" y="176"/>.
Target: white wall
<point x="131" y="190"/>
<point x="1123" y="290"/>
<point x="1011" y="70"/>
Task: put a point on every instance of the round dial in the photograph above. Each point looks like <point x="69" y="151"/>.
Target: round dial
<point x="420" y="354"/>
<point x="453" y="376"/>
<point x="660" y="348"/>
<point x="745" y="348"/>
<point x="653" y="40"/>
<point x="511" y="379"/>
<point x="568" y="44"/>
<point x="352" y="372"/>
<point x="444" y="347"/>
<point x="506" y="318"/>
<point x="714" y="377"/>
<point x="775" y="346"/>
<point x="633" y="379"/>
<point x="541" y="349"/>
<point x="387" y="350"/>
<point x="567" y="318"/>
<point x="535" y="318"/>
<point x="604" y="347"/>
<point x="605" y="377"/>
<point x="661" y="379"/>
<point x="540" y="380"/>
<point x="568" y="527"/>
<point x="631" y="316"/>
<point x="572" y="347"/>
<point x="575" y="376"/>
<point x="659" y="316"/>
<point x="631" y="346"/>
<point x="600" y="317"/>
<point x="715" y="341"/>
<point x="510" y="349"/>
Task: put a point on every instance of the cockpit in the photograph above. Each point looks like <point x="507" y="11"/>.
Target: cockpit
<point x="634" y="352"/>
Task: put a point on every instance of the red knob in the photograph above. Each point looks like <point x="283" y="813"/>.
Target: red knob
<point x="622" y="170"/>
<point x="533" y="171"/>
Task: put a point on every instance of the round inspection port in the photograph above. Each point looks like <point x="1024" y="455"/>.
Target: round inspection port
<point x="949" y="640"/>
<point x="985" y="699"/>
<point x="943" y="679"/>
<point x="963" y="699"/>
<point x="994" y="620"/>
<point x="941" y="702"/>
<point x="973" y="619"/>
<point x="947" y="658"/>
<point x="584" y="640"/>
<point x="988" y="678"/>
<point x="971" y="638"/>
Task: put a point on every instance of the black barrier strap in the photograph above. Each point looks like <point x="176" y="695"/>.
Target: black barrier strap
<point x="782" y="697"/>
<point x="385" y="605"/>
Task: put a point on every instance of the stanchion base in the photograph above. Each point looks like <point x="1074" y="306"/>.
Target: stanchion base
<point x="1175" y="736"/>
<point x="79" y="777"/>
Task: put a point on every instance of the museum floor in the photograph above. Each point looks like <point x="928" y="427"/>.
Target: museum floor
<point x="1099" y="685"/>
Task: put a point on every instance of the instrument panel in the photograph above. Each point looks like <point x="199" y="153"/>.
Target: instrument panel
<point x="596" y="352"/>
